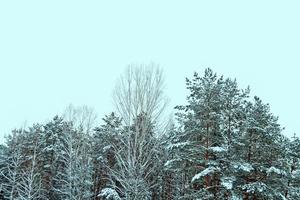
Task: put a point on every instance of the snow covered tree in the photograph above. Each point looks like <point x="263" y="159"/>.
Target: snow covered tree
<point x="137" y="178"/>
<point x="51" y="146"/>
<point x="172" y="181"/>
<point x="220" y="135"/>
<point x="261" y="154"/>
<point x="29" y="186"/>
<point x="293" y="168"/>
<point x="77" y="152"/>
<point x="223" y="146"/>
<point x="22" y="171"/>
<point x="109" y="194"/>
<point x="12" y="166"/>
<point x="74" y="179"/>
<point x="140" y="102"/>
<point x="3" y="155"/>
<point x="200" y="139"/>
<point x="232" y="123"/>
<point x="106" y="138"/>
<point x="39" y="163"/>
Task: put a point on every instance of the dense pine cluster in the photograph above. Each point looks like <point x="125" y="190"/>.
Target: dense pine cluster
<point x="222" y="145"/>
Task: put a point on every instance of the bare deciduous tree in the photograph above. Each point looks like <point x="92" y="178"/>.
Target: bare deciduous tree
<point x="82" y="117"/>
<point x="75" y="181"/>
<point x="140" y="90"/>
<point x="140" y="101"/>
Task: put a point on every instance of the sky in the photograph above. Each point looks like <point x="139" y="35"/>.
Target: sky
<point x="53" y="53"/>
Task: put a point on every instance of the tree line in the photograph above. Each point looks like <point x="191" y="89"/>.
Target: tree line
<point x="221" y="145"/>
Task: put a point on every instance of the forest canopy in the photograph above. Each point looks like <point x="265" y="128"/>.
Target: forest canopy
<point x="222" y="144"/>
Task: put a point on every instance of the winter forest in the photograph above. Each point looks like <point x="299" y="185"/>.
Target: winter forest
<point x="221" y="145"/>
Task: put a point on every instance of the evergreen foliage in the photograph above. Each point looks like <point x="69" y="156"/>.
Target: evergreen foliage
<point x="223" y="145"/>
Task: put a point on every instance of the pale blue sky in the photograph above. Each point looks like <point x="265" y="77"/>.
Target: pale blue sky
<point x="53" y="53"/>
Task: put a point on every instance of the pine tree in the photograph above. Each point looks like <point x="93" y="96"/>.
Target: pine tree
<point x="293" y="168"/>
<point x="222" y="146"/>
<point x="261" y="154"/>
<point x="11" y="172"/>
<point x="200" y="137"/>
<point x="51" y="147"/>
<point x="105" y="139"/>
<point x="231" y="125"/>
